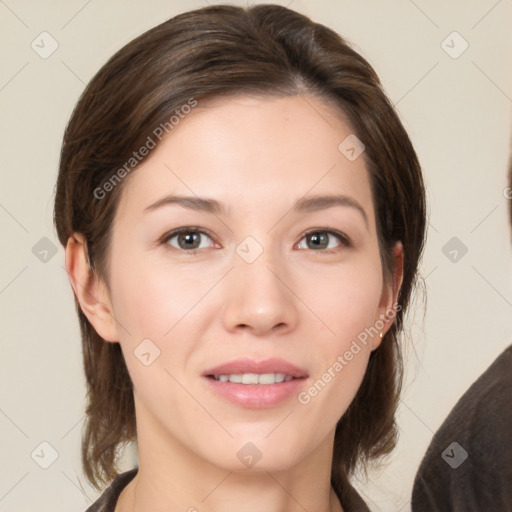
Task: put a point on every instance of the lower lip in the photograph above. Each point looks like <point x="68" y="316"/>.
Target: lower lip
<point x="256" y="396"/>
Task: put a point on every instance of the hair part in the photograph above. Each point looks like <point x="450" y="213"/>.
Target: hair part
<point x="221" y="51"/>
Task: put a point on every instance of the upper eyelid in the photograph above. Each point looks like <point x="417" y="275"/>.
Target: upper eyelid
<point x="177" y="231"/>
<point x="344" y="239"/>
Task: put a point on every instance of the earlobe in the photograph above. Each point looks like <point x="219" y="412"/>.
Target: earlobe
<point x="89" y="289"/>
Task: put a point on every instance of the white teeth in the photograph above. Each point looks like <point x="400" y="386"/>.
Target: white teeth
<point x="254" y="378"/>
<point x="249" y="378"/>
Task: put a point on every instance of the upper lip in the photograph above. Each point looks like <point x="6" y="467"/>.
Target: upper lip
<point x="247" y="365"/>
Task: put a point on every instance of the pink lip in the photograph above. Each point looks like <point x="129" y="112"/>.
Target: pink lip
<point x="256" y="396"/>
<point x="246" y="365"/>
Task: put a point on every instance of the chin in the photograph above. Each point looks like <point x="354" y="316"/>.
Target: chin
<point x="245" y="454"/>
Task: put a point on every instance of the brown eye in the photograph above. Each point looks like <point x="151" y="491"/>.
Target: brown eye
<point x="324" y="239"/>
<point x="187" y="239"/>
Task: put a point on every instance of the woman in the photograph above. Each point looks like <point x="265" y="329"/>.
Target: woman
<point x="243" y="214"/>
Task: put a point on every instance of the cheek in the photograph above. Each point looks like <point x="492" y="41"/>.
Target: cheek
<point x="155" y="344"/>
<point x="158" y="307"/>
<point x="346" y="301"/>
<point x="348" y="305"/>
<point x="151" y="300"/>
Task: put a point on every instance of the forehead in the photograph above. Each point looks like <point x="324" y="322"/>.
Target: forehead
<point x="249" y="151"/>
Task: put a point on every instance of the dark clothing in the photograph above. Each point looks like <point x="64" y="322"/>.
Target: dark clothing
<point x="353" y="502"/>
<point x="468" y="465"/>
<point x="108" y="500"/>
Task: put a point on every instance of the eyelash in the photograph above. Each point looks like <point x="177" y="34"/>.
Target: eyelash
<point x="344" y="240"/>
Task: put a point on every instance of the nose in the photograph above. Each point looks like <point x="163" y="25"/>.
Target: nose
<point x="259" y="298"/>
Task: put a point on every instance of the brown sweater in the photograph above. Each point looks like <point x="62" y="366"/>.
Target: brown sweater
<point x="468" y="465"/>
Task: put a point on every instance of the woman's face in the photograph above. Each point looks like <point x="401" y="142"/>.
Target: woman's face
<point x="263" y="269"/>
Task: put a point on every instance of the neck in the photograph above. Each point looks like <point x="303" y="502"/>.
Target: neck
<point x="172" y="478"/>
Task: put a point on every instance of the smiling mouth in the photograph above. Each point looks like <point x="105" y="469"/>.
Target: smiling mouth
<point x="254" y="378"/>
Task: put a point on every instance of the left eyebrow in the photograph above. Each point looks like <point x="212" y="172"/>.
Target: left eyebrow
<point x="316" y="203"/>
<point x="303" y="205"/>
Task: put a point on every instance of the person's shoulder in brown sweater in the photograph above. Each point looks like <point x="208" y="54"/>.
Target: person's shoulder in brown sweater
<point x="468" y="465"/>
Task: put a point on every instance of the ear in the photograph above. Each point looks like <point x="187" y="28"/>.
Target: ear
<point x="89" y="289"/>
<point x="387" y="307"/>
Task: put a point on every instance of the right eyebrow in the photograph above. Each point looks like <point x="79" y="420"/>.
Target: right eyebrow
<point x="191" y="202"/>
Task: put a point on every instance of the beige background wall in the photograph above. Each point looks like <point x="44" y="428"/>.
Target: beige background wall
<point x="457" y="111"/>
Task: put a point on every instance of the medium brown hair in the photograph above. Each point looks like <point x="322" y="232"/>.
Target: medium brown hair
<point x="222" y="51"/>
